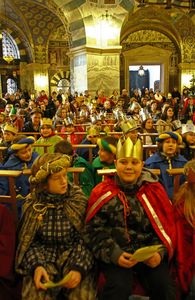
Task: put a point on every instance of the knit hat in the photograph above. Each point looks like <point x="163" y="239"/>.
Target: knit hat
<point x="102" y="143"/>
<point x="10" y="128"/>
<point x="166" y="135"/>
<point x="55" y="165"/>
<point x="47" y="122"/>
<point x="23" y="143"/>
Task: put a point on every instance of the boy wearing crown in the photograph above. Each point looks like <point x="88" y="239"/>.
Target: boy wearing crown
<point x="47" y="137"/>
<point x="126" y="213"/>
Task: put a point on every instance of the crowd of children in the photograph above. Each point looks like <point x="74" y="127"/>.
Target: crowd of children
<point x="87" y="234"/>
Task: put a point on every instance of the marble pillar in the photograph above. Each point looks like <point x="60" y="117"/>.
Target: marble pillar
<point x="34" y="77"/>
<point x="93" y="69"/>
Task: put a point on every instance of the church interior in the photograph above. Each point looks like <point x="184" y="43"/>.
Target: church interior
<point x="95" y="44"/>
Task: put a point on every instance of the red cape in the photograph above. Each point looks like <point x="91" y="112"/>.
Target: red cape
<point x="154" y="200"/>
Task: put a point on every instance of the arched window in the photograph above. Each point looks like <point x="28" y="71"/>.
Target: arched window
<point x="9" y="46"/>
<point x="63" y="85"/>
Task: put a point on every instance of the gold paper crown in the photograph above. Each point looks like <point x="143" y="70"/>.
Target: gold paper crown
<point x="46" y="121"/>
<point x="10" y="128"/>
<point x="128" y="149"/>
<point x="128" y="126"/>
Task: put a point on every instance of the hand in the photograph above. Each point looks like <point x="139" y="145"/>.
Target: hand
<point x="39" y="274"/>
<point x="125" y="260"/>
<point x="74" y="280"/>
<point x="153" y="261"/>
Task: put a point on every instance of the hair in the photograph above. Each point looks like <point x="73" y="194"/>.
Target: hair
<point x="164" y="114"/>
<point x="63" y="147"/>
<point x="186" y="194"/>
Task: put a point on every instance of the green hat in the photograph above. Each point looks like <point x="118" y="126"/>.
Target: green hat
<point x="12" y="111"/>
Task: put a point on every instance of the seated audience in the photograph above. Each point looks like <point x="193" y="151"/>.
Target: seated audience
<point x="50" y="244"/>
<point x="126" y="213"/>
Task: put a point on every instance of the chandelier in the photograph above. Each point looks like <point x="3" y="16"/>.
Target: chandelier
<point x="141" y="71"/>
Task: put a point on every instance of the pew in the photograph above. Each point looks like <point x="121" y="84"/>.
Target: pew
<point x="11" y="199"/>
<point x="89" y="146"/>
<point x="176" y="172"/>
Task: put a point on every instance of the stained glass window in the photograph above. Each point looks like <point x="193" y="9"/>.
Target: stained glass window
<point x="10" y="48"/>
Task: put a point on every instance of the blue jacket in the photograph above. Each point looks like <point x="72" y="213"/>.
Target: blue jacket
<point x="156" y="161"/>
<point x="22" y="183"/>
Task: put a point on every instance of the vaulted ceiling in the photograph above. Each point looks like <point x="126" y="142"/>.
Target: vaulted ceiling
<point x="34" y="23"/>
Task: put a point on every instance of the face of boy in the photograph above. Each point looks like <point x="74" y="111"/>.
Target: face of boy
<point x="57" y="183"/>
<point x="8" y="136"/>
<point x="169" y="146"/>
<point x="106" y="156"/>
<point x="46" y="131"/>
<point x="133" y="135"/>
<point x="129" y="169"/>
<point x="25" y="154"/>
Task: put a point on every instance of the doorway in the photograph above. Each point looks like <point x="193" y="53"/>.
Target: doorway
<point x="144" y="76"/>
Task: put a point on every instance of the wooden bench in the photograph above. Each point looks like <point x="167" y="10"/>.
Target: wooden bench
<point x="45" y="146"/>
<point x="88" y="146"/>
<point x="176" y="172"/>
<point x="11" y="198"/>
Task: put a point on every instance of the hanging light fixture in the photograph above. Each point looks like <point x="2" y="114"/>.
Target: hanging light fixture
<point x="7" y="51"/>
<point x="141" y="71"/>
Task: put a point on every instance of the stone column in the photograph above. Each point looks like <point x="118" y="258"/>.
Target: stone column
<point x="94" y="69"/>
<point x="34" y="76"/>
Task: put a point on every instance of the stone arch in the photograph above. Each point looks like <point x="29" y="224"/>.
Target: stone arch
<point x="143" y="37"/>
